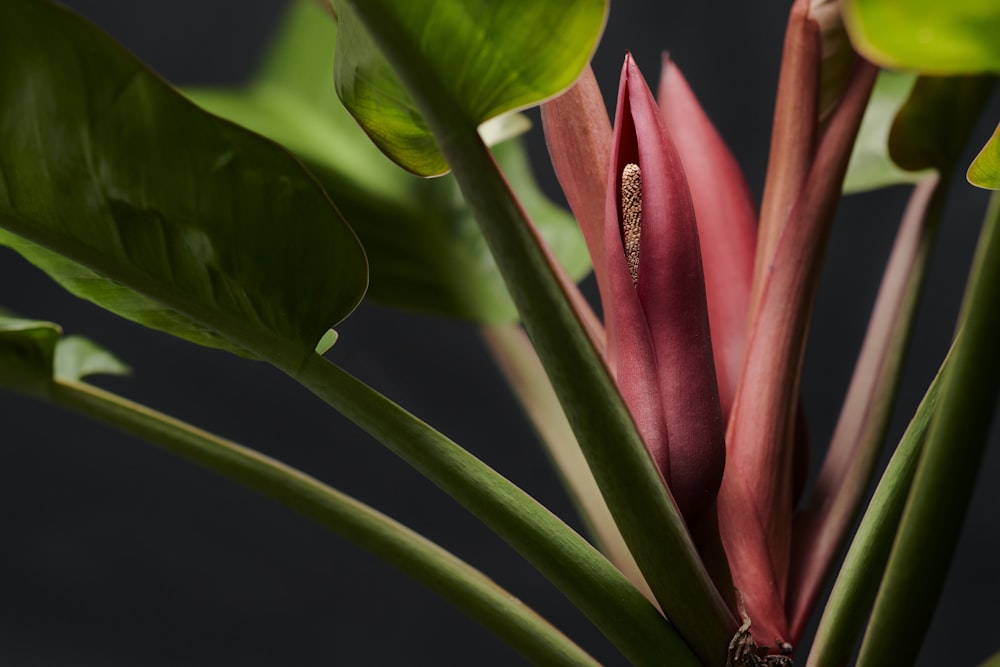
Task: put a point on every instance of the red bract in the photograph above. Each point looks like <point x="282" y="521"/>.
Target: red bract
<point x="727" y="223"/>
<point x="673" y="327"/>
<point x="659" y="345"/>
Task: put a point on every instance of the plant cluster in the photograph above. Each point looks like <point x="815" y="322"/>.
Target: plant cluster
<point x="376" y="156"/>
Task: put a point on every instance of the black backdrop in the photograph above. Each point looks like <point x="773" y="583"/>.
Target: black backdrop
<point x="118" y="554"/>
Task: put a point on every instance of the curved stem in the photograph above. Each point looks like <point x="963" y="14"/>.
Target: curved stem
<point x="640" y="503"/>
<point x="857" y="583"/>
<point x="585" y="576"/>
<point x="453" y="579"/>
<point x="526" y="377"/>
<point x="946" y="474"/>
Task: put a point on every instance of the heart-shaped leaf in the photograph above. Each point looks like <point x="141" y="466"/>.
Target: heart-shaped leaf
<point x="424" y="249"/>
<point x="134" y="198"/>
<point x="957" y="36"/>
<point x="485" y="58"/>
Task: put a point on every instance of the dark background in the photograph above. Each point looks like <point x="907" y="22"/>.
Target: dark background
<point x="115" y="553"/>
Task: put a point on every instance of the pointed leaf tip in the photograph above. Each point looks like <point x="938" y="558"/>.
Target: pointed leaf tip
<point x="661" y="342"/>
<point x="984" y="172"/>
<point x="727" y="222"/>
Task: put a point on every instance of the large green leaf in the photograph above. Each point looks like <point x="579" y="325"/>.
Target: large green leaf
<point x="424" y="248"/>
<point x="931" y="36"/>
<point x="132" y="197"/>
<point x="985" y="169"/>
<point x="33" y="354"/>
<point x="484" y="58"/>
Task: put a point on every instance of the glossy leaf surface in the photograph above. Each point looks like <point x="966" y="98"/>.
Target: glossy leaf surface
<point x="485" y="58"/>
<point x="424" y="248"/>
<point x="927" y="35"/>
<point x="132" y="197"/>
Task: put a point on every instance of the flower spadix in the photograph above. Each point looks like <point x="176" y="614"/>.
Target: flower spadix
<point x="659" y="345"/>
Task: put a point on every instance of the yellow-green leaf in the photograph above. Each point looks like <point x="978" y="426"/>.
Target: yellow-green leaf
<point x="485" y="58"/>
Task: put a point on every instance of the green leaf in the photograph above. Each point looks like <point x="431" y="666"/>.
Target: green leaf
<point x="933" y="126"/>
<point x="871" y="167"/>
<point x="930" y="36"/>
<point x="483" y="58"/>
<point x="985" y="169"/>
<point x="27" y="348"/>
<point x="78" y="357"/>
<point x="425" y="251"/>
<point x="33" y="354"/>
<point x="132" y="197"/>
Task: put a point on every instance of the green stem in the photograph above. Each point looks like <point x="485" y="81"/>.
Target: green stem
<point x="453" y="579"/>
<point x="635" y="493"/>
<point x="857" y="584"/>
<point x="946" y="474"/>
<point x="585" y="576"/>
<point x="526" y="377"/>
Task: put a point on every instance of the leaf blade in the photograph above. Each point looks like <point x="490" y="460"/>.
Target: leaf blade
<point x="490" y="57"/>
<point x="928" y="36"/>
<point x="110" y="178"/>
<point x="425" y="251"/>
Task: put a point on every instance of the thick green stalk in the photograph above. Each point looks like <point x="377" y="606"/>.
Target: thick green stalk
<point x="641" y="505"/>
<point x="453" y="579"/>
<point x="857" y="584"/>
<point x="946" y="475"/>
<point x="526" y="377"/>
<point x="585" y="576"/>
